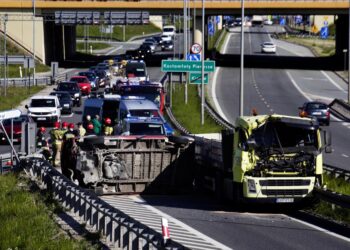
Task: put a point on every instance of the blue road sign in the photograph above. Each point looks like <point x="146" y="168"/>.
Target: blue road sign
<point x="210" y="29"/>
<point x="324" y="32"/>
<point x="282" y="21"/>
<point x="217" y="19"/>
<point x="193" y="57"/>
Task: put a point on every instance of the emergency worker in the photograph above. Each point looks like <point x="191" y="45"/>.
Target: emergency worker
<point x="56" y="140"/>
<point x="42" y="144"/>
<point x="97" y="125"/>
<point x="108" y="129"/>
<point x="81" y="129"/>
<point x="87" y="121"/>
<point x="69" y="151"/>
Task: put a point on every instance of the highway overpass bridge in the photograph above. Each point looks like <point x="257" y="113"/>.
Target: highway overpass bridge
<point x="57" y="42"/>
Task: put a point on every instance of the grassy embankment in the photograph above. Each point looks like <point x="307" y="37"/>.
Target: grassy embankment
<point x="26" y="218"/>
<point x="13" y="69"/>
<point x="117" y="35"/>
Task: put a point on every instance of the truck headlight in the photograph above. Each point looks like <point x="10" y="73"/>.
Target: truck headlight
<point x="251" y="186"/>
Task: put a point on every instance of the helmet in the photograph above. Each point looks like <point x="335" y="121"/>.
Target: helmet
<point x="71" y="125"/>
<point x="88" y="117"/>
<point x="90" y="126"/>
<point x="108" y="121"/>
<point x="42" y="129"/>
<point x="64" y="124"/>
<point x="56" y="125"/>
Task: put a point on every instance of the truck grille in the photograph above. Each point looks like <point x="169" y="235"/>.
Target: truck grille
<point x="284" y="182"/>
<point x="284" y="192"/>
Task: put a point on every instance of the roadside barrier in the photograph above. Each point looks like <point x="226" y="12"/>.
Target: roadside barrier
<point x="120" y="230"/>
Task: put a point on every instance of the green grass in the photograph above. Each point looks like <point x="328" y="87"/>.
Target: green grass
<point x="321" y="47"/>
<point x="15" y="95"/>
<point x="130" y="31"/>
<point x="13" y="70"/>
<point x="212" y="39"/>
<point x="95" y="46"/>
<point x="25" y="219"/>
<point x="341" y="215"/>
<point x="189" y="115"/>
<point x="338" y="185"/>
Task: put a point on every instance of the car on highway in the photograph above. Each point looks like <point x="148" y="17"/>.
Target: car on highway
<point x="73" y="89"/>
<point x="167" y="45"/>
<point x="93" y="78"/>
<point x="136" y="69"/>
<point x="44" y="109"/>
<point x="169" y="30"/>
<point x="144" y="51"/>
<point x="152" y="40"/>
<point x="268" y="47"/>
<point x="165" y="38"/>
<point x="65" y="101"/>
<point x="316" y="109"/>
<point x="151" y="45"/>
<point x="17" y="129"/>
<point x="268" y="22"/>
<point x="158" y="39"/>
<point x="84" y="84"/>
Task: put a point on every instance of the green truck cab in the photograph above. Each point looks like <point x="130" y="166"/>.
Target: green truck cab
<point x="275" y="159"/>
<point x="278" y="158"/>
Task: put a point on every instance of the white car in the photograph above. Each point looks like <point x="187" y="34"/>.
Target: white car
<point x="268" y="47"/>
<point x="268" y="22"/>
<point x="44" y="108"/>
<point x="169" y="30"/>
<point x="165" y="38"/>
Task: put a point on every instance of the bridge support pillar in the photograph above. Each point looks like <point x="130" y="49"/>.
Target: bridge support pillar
<point x="197" y="36"/>
<point x="342" y="36"/>
<point x="60" y="42"/>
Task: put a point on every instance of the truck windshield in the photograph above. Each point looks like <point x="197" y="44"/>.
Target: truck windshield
<point x="144" y="113"/>
<point x="279" y="134"/>
<point x="43" y="103"/>
<point x="146" y="129"/>
<point x="136" y="69"/>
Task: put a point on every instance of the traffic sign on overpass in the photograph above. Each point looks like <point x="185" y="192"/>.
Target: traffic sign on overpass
<point x="187" y="66"/>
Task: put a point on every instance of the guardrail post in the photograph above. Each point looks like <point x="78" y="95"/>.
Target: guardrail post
<point x="124" y="230"/>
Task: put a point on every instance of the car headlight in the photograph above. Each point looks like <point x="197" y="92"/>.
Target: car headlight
<point x="76" y="95"/>
<point x="251" y="186"/>
<point x="53" y="112"/>
<point x="66" y="105"/>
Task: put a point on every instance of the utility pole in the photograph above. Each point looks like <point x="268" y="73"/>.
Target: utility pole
<point x="242" y="62"/>
<point x="185" y="46"/>
<point x="5" y="54"/>
<point x="33" y="42"/>
<point x="202" y="89"/>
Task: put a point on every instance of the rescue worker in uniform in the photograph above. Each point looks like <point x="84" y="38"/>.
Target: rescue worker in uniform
<point x="97" y="125"/>
<point x="56" y="140"/>
<point x="81" y="130"/>
<point x="69" y="151"/>
<point x="108" y="129"/>
<point x="42" y="143"/>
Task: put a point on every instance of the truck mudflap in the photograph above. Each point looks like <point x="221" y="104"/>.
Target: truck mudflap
<point x="132" y="164"/>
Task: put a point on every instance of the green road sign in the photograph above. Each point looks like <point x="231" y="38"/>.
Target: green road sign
<point x="187" y="66"/>
<point x="196" y="78"/>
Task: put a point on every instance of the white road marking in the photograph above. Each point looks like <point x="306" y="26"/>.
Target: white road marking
<point x="113" y="50"/>
<point x="314" y="79"/>
<point x="320" y="229"/>
<point x="344" y="155"/>
<point x="333" y="82"/>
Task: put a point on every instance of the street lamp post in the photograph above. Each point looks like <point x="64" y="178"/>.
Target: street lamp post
<point x="345" y="51"/>
<point x="33" y="42"/>
<point x="202" y="89"/>
<point x="349" y="55"/>
<point x="242" y="62"/>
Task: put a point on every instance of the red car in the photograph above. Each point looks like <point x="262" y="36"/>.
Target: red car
<point x="17" y="129"/>
<point x="84" y="84"/>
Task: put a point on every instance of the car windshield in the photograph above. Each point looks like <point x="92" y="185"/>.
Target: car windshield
<point x="279" y="134"/>
<point x="168" y="29"/>
<point x="144" y="113"/>
<point x="89" y="75"/>
<point x="67" y="87"/>
<point x="61" y="95"/>
<point x="146" y="129"/>
<point x="316" y="106"/>
<point x="36" y="103"/>
<point x="137" y="69"/>
<point x="78" y="79"/>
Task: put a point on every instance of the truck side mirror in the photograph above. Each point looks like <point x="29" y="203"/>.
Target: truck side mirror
<point x="26" y="106"/>
<point x="327" y="141"/>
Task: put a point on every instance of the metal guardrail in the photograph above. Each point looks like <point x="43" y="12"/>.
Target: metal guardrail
<point x="337" y="172"/>
<point x="120" y="230"/>
<point x="333" y="197"/>
<point x="25" y="82"/>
